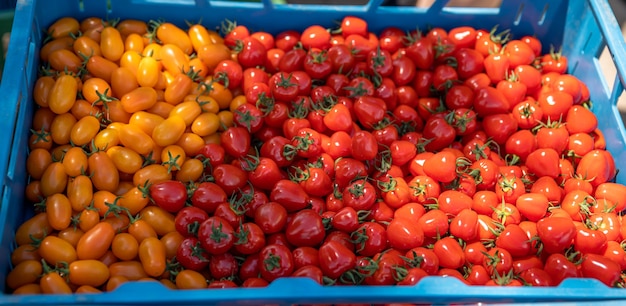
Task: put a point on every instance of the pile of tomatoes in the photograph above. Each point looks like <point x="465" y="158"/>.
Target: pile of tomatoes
<point x="206" y="159"/>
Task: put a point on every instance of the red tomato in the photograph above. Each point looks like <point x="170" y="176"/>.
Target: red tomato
<point x="169" y="195"/>
<point x="449" y="252"/>
<point x="556" y="234"/>
<point x="275" y="261"/>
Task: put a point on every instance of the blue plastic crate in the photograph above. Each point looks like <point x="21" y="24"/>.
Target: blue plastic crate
<point x="582" y="28"/>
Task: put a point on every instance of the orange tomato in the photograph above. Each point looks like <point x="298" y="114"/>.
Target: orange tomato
<point x="101" y="201"/>
<point x="106" y="138"/>
<point x="71" y="235"/>
<point x="61" y="128"/>
<point x="108" y="258"/>
<point x="23" y="253"/>
<point x="94" y="33"/>
<point x="198" y="67"/>
<point x="205" y="124"/>
<point x="159" y="219"/>
<point x="66" y="43"/>
<point x="63" y="94"/>
<point x="125" y="246"/>
<point x="169" y="33"/>
<point x="40" y="140"/>
<point x="134" y="42"/>
<point x="79" y="192"/>
<point x="125" y="159"/>
<point x="123" y="81"/>
<point x="147" y="122"/>
<point x="62" y="27"/>
<point x="134" y="138"/>
<point x="173" y="157"/>
<point x="35" y="227"/>
<point x="167" y="283"/>
<point x="161" y="109"/>
<point x="191" y="143"/>
<point x="172" y="241"/>
<point x="226" y="119"/>
<point x="176" y="91"/>
<point x="42" y="89"/>
<point x="190" y="171"/>
<point x="169" y="131"/>
<point x="64" y="60"/>
<point x="213" y="54"/>
<point x="116" y="112"/>
<point x="88" y="219"/>
<point x="221" y="94"/>
<point x="59" y="211"/>
<point x="213" y="138"/>
<point x="87" y="290"/>
<point x="141" y="230"/>
<point x="141" y="98"/>
<point x="30" y="289"/>
<point x="187" y="110"/>
<point x="96" y="241"/>
<point x="131" y="59"/>
<point x="114" y="282"/>
<point x="131" y="270"/>
<point x="152" y="256"/>
<point x="85" y="130"/>
<point x="38" y="160"/>
<point x="25" y="272"/>
<point x="236" y="102"/>
<point x="58" y="151"/>
<point x="153" y="173"/>
<point x="132" y="26"/>
<point x="33" y="191"/>
<point x="82" y="108"/>
<point x="119" y="222"/>
<point x="54" y="179"/>
<point x="174" y="59"/>
<point x="125" y="184"/>
<point x="148" y="72"/>
<point x="199" y="36"/>
<point x="53" y="283"/>
<point x="134" y="200"/>
<point x="42" y="119"/>
<point x="85" y="46"/>
<point x="92" y="23"/>
<point x="101" y="67"/>
<point x="103" y="172"/>
<point x="111" y="44"/>
<point x="190" y="279"/>
<point x="88" y="272"/>
<point x="94" y="88"/>
<point x="75" y="161"/>
<point x="55" y="250"/>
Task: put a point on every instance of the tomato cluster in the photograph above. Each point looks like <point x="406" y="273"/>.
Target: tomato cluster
<point x="205" y="159"/>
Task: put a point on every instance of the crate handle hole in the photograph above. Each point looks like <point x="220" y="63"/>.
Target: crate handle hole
<point x="615" y="89"/>
<point x="544" y="13"/>
<point x="462" y="3"/>
<point x="518" y="16"/>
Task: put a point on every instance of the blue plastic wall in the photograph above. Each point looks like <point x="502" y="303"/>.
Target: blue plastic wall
<point x="583" y="28"/>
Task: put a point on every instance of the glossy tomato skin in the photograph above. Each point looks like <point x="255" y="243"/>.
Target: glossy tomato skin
<point x="305" y="228"/>
<point x="216" y="235"/>
<point x="188" y="220"/>
<point x="275" y="261"/>
<point x="169" y="195"/>
<point x="191" y="255"/>
<point x="336" y="259"/>
<point x="371" y="239"/>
